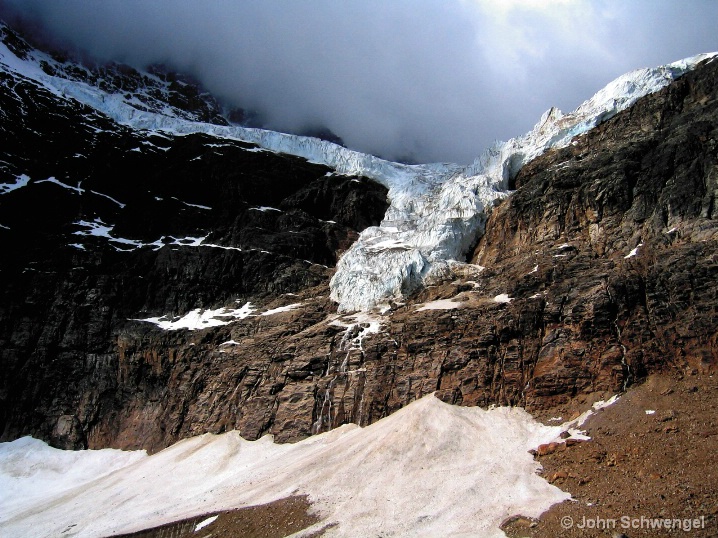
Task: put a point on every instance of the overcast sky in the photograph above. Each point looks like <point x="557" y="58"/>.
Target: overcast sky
<point x="437" y="80"/>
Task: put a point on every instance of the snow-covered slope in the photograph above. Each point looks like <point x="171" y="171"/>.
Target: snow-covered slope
<point x="430" y="469"/>
<point x="437" y="211"/>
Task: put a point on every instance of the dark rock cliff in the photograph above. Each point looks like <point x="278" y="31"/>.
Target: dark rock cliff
<point x="101" y="224"/>
<point x="576" y="313"/>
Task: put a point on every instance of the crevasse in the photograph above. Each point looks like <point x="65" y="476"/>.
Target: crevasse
<point x="437" y="211"/>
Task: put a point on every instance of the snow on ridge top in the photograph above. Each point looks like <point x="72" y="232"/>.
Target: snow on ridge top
<point x="199" y="318"/>
<point x="117" y="107"/>
<point x="555" y="129"/>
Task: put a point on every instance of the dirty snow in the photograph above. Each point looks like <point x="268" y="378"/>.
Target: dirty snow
<point x="430" y="469"/>
<point x="441" y="304"/>
<point x="31" y="471"/>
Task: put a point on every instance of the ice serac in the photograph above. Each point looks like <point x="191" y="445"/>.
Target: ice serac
<point x="427" y="228"/>
<point x="437" y="211"/>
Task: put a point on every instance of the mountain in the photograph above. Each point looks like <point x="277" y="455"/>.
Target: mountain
<point x="169" y="274"/>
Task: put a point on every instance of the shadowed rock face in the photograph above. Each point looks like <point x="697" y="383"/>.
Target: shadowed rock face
<point x="578" y="317"/>
<point x="107" y="228"/>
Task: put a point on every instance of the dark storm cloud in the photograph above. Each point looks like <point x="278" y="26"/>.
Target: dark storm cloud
<point x="436" y="79"/>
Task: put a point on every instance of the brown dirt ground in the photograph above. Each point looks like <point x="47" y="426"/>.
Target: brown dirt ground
<point x="274" y="520"/>
<point x="637" y="465"/>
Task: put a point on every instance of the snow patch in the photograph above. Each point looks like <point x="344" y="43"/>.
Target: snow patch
<point x="20" y="182"/>
<point x="78" y="189"/>
<point x="281" y="309"/>
<point x="362" y="322"/>
<point x="441" y="304"/>
<point x="198" y="206"/>
<point x="349" y="473"/>
<point x="122" y="206"/>
<point x="503" y="298"/>
<point x="204" y="523"/>
<point x="212" y="245"/>
<point x="633" y="252"/>
<point x="264" y="209"/>
<point x="200" y="318"/>
<point x="98" y="228"/>
<point x="601" y="404"/>
<point x="188" y="241"/>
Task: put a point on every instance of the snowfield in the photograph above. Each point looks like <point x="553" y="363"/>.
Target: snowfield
<point x="430" y="469"/>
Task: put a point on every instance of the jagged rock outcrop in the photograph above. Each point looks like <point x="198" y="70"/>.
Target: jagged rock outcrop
<point x="599" y="268"/>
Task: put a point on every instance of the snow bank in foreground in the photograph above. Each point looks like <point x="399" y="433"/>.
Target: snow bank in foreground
<point x="32" y="472"/>
<point x="430" y="469"/>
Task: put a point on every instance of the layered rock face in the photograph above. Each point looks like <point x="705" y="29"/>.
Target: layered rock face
<point x="102" y="224"/>
<point x="619" y="229"/>
<point x="600" y="268"/>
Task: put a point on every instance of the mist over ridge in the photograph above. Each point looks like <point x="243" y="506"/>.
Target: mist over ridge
<point x="422" y="80"/>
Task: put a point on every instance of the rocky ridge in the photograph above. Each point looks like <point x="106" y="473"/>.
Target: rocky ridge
<point x="599" y="269"/>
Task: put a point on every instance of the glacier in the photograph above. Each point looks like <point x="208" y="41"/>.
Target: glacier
<point x="437" y="211"/>
<point x="426" y="230"/>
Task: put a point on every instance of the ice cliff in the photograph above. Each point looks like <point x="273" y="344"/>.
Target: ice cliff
<point x="437" y="212"/>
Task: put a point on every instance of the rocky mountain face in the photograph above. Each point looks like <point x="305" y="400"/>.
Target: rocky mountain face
<point x="598" y="269"/>
<point x="102" y="224"/>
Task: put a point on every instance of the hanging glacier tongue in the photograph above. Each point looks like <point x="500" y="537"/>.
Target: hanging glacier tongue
<point x="437" y="211"/>
<point x="434" y="220"/>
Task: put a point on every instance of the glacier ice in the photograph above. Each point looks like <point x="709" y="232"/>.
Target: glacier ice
<point x="437" y="211"/>
<point x="424" y="229"/>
